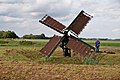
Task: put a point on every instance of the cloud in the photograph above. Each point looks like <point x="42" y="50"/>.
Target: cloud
<point x="12" y="1"/>
<point x="12" y="10"/>
<point x="9" y="19"/>
<point x="35" y="8"/>
<point x="24" y="15"/>
<point x="117" y="30"/>
<point x="54" y="8"/>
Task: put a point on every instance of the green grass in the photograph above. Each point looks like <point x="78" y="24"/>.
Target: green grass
<point x="21" y="42"/>
<point x="42" y="42"/>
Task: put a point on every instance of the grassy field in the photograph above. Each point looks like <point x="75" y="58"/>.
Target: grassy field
<point x="20" y="60"/>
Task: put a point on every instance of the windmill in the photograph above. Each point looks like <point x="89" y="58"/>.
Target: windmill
<point x="67" y="42"/>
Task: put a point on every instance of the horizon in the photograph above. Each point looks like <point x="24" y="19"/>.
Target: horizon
<point x="61" y="35"/>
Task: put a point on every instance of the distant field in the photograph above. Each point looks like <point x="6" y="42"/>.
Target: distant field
<point x="44" y="41"/>
<point x="109" y="43"/>
<point x="26" y="42"/>
<point x="19" y="60"/>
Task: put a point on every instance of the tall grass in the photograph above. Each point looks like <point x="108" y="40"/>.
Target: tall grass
<point x="27" y="50"/>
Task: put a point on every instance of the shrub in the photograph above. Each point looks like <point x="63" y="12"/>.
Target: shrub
<point x="3" y="42"/>
<point x="26" y="43"/>
<point x="90" y="61"/>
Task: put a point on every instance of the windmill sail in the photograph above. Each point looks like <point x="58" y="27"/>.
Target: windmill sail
<point x="79" y="22"/>
<point x="51" y="45"/>
<point x="52" y="23"/>
<point x="79" y="47"/>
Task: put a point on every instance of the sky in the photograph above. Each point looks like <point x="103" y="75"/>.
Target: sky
<point x="22" y="16"/>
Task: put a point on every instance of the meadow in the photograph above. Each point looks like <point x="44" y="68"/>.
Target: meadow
<point x="20" y="60"/>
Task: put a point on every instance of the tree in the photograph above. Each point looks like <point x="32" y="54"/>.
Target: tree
<point x="8" y="34"/>
<point x="1" y="34"/>
<point x="42" y="36"/>
<point x="31" y="36"/>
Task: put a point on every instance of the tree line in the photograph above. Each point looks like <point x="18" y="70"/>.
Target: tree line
<point x="31" y="36"/>
<point x="12" y="34"/>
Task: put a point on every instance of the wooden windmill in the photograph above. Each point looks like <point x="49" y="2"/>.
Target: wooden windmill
<point x="67" y="42"/>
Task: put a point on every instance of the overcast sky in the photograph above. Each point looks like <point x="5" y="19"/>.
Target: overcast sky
<point x="22" y="16"/>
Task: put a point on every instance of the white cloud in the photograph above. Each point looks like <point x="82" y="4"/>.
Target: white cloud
<point x="25" y="15"/>
<point x="116" y="30"/>
<point x="10" y="19"/>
